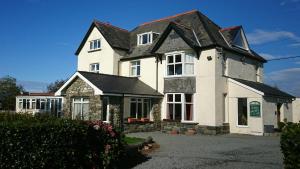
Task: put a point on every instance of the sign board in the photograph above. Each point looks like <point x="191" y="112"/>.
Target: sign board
<point x="255" y="109"/>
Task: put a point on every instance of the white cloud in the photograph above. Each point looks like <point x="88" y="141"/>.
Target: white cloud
<point x="286" y="79"/>
<point x="288" y="1"/>
<point x="271" y="56"/>
<point x="295" y="45"/>
<point x="261" y="36"/>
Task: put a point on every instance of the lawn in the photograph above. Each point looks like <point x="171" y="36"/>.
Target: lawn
<point x="133" y="140"/>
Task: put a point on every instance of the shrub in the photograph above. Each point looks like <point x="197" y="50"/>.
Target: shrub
<point x="290" y="145"/>
<point x="48" y="142"/>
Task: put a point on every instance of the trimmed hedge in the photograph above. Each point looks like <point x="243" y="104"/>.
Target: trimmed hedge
<point x="290" y="145"/>
<point x="48" y="142"/>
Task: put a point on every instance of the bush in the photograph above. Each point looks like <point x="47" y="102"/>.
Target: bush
<point x="48" y="142"/>
<point x="290" y="145"/>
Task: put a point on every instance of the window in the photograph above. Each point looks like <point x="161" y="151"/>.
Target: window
<point x="178" y="62"/>
<point x="94" y="67"/>
<point x="80" y="109"/>
<point x="242" y="112"/>
<point x="135" y="68"/>
<point x="95" y="44"/>
<point x="139" y="108"/>
<point x="20" y="103"/>
<point x="33" y="104"/>
<point x="43" y="104"/>
<point x="27" y="103"/>
<point x="240" y="40"/>
<point x="180" y="107"/>
<point x="146" y="38"/>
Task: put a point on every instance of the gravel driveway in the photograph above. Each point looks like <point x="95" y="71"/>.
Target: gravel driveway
<point x="213" y="152"/>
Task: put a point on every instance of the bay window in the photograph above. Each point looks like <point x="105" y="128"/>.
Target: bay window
<point x="180" y="107"/>
<point x="179" y="64"/>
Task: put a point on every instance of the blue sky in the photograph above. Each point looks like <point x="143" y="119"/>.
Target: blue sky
<point x="38" y="38"/>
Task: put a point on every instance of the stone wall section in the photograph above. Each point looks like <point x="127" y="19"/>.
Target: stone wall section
<point x="81" y="89"/>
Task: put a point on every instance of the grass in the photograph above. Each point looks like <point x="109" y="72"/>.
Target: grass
<point x="133" y="140"/>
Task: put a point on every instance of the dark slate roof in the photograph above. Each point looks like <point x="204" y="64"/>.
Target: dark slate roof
<point x="116" y="37"/>
<point x="208" y="34"/>
<point x="266" y="89"/>
<point x="119" y="84"/>
<point x="184" y="32"/>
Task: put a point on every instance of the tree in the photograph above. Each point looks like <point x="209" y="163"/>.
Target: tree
<point x="53" y="87"/>
<point x="8" y="92"/>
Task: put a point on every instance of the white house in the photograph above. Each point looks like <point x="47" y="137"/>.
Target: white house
<point x="199" y="75"/>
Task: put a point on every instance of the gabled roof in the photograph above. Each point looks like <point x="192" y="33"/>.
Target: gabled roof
<point x="266" y="89"/>
<point x="117" y="37"/>
<point x="186" y="33"/>
<point x="191" y="25"/>
<point x="113" y="84"/>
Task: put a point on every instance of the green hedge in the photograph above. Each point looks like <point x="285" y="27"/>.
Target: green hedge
<point x="290" y="145"/>
<point x="48" y="142"/>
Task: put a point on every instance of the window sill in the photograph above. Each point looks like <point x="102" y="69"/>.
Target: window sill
<point x="94" y="50"/>
<point x="167" y="77"/>
<point x="241" y="126"/>
<point x="135" y="76"/>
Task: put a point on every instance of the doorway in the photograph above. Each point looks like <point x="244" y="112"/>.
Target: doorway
<point x="105" y="109"/>
<point x="278" y="113"/>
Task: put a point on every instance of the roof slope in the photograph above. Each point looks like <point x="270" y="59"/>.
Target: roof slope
<point x="116" y="37"/>
<point x="119" y="84"/>
<point x="266" y="89"/>
<point x="190" y="23"/>
<point x="184" y="32"/>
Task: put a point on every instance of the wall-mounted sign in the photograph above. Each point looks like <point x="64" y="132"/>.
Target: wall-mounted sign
<point x="255" y="109"/>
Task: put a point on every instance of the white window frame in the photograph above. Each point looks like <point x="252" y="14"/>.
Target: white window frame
<point x="95" y="44"/>
<point x="183" y="106"/>
<point x="136" y="66"/>
<point x="149" y="38"/>
<point x="183" y="63"/>
<point x="137" y="101"/>
<point x="94" y="65"/>
<point x="81" y="102"/>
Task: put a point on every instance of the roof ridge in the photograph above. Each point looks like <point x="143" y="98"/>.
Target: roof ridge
<point x="110" y="25"/>
<point x="168" y="17"/>
<point x="231" y="28"/>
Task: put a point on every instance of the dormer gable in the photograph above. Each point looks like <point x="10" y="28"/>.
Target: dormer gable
<point x="235" y="37"/>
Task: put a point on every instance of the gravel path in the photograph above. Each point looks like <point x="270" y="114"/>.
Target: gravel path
<point x="213" y="152"/>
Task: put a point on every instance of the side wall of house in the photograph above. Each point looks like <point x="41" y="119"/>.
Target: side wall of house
<point x="296" y="110"/>
<point x="104" y="56"/>
<point x="255" y="124"/>
<point x="79" y="88"/>
<point x="242" y="67"/>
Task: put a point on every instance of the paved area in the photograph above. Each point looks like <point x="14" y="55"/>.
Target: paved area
<point x="213" y="152"/>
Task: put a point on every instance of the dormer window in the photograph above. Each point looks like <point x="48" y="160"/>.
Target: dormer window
<point x="146" y="38"/>
<point x="95" y="44"/>
<point x="94" y="67"/>
<point x="240" y="40"/>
